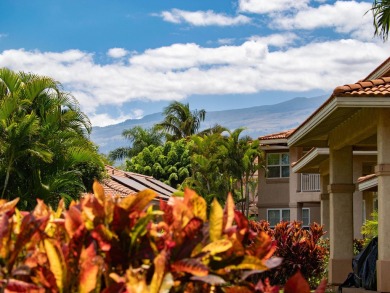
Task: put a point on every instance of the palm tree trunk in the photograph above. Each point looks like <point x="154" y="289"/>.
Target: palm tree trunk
<point x="6" y="178"/>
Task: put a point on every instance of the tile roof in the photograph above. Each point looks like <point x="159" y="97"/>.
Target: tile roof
<point x="366" y="178"/>
<point x="120" y="184"/>
<point x="376" y="87"/>
<point x="379" y="87"/>
<point x="279" y="135"/>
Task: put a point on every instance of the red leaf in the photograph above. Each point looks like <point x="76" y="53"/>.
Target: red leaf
<point x="297" y="284"/>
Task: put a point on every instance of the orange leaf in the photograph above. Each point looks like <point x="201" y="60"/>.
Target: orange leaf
<point x="89" y="272"/>
<point x="228" y="216"/>
<point x="191" y="266"/>
<point x="98" y="191"/>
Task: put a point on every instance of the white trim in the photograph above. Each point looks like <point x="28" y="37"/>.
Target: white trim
<point x="370" y="183"/>
<point x="312" y="122"/>
<point x="274" y="147"/>
<point x="315" y="152"/>
<point x="273" y="141"/>
<point x="345" y="102"/>
<point x="308" y="157"/>
<point x="379" y="73"/>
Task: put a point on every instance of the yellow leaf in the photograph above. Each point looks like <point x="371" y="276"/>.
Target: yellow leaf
<point x="138" y="202"/>
<point x="199" y="207"/>
<point x="56" y="261"/>
<point x="218" y="246"/>
<point x="229" y="211"/>
<point x="159" y="271"/>
<point x="98" y="190"/>
<point x="249" y="263"/>
<point x="216" y="221"/>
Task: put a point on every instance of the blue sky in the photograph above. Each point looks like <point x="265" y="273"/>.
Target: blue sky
<point x="127" y="58"/>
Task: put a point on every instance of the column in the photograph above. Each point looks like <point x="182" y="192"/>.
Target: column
<point x="340" y="190"/>
<point x="325" y="204"/>
<point x="382" y="170"/>
<point x="296" y="211"/>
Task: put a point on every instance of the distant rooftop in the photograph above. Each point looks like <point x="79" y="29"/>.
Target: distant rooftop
<point x="121" y="183"/>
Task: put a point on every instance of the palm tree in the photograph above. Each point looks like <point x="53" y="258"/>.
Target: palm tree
<point x="44" y="137"/>
<point x="381" y="12"/>
<point x="180" y="122"/>
<point x="140" y="138"/>
<point x="241" y="159"/>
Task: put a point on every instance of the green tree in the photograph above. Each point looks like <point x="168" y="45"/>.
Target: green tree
<point x="224" y="163"/>
<point x="208" y="176"/>
<point x="180" y="122"/>
<point x="43" y="140"/>
<point x="139" y="138"/>
<point x="169" y="163"/>
<point x="381" y="12"/>
<point x="240" y="157"/>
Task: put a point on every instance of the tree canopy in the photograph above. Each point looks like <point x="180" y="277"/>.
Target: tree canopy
<point x="381" y="12"/>
<point x="180" y="122"/>
<point x="44" y="140"/>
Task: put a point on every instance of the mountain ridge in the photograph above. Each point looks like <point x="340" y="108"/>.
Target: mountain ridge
<point x="257" y="121"/>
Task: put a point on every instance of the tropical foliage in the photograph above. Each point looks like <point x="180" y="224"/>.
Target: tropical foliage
<point x="180" y="122"/>
<point x="139" y="138"/>
<point x="370" y="228"/>
<point x="381" y="12"/>
<point x="169" y="163"/>
<point x="301" y="250"/>
<point x="224" y="163"/>
<point x="44" y="145"/>
<point x="98" y="245"/>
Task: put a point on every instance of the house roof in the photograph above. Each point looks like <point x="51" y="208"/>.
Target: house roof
<point x="279" y="135"/>
<point x="121" y="183"/>
<point x="347" y="99"/>
<point x="368" y="183"/>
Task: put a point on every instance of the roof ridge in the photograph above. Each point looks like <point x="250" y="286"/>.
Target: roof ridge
<point x="361" y="85"/>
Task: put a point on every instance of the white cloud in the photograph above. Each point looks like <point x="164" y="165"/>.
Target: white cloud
<point x="343" y="16"/>
<point x="181" y="70"/>
<point x="117" y="52"/>
<point x="104" y="119"/>
<point x="203" y="18"/>
<point x="277" y="40"/>
<point x="267" y="6"/>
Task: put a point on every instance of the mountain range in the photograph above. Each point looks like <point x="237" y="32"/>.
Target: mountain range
<point x="258" y="120"/>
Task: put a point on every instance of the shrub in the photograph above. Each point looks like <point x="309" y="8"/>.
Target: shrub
<point x="98" y="245"/>
<point x="370" y="228"/>
<point x="299" y="248"/>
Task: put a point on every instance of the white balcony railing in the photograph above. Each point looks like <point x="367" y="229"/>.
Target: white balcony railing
<point x="310" y="182"/>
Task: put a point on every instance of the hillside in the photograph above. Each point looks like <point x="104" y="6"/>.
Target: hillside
<point x="258" y="121"/>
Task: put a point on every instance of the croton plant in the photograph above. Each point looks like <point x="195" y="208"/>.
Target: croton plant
<point x="101" y="244"/>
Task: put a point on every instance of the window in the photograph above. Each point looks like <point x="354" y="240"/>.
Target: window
<point x="305" y="217"/>
<point x="278" y="165"/>
<point x="274" y="216"/>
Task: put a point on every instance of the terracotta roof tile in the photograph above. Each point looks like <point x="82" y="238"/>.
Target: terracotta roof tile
<point x="379" y="87"/>
<point x="365" y="178"/>
<point x="279" y="135"/>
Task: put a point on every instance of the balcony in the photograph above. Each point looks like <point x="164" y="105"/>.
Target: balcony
<point x="310" y="182"/>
